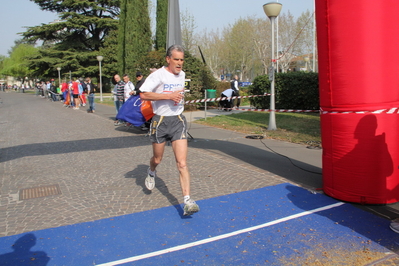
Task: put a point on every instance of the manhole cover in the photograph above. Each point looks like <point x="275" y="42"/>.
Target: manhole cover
<point x="38" y="192"/>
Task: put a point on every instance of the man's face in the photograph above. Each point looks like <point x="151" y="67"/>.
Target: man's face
<point x="126" y="79"/>
<point x="175" y="62"/>
<point x="138" y="78"/>
<point x="117" y="78"/>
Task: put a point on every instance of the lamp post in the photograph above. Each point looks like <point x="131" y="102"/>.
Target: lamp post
<point x="100" y="58"/>
<point x="59" y="77"/>
<point x="272" y="10"/>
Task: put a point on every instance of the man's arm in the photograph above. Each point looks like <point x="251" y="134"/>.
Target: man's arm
<point x="175" y="96"/>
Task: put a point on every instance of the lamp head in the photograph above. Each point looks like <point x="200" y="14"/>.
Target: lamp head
<point x="272" y="9"/>
<point x="100" y="58"/>
<point x="58" y="68"/>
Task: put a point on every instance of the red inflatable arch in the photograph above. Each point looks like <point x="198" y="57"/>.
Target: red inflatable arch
<point x="358" y="46"/>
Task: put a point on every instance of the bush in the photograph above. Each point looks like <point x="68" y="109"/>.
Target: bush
<point x="294" y="90"/>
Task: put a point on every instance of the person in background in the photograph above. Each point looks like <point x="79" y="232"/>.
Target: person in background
<point x="129" y="87"/>
<point x="234" y="86"/>
<point x="91" y="94"/>
<point x="47" y="93"/>
<point x="119" y="96"/>
<point x="82" y="91"/>
<point x="44" y="89"/>
<point x="64" y="91"/>
<point x="140" y="80"/>
<point x="75" y="93"/>
<point x="165" y="88"/>
<point x="227" y="104"/>
<point x="38" y="89"/>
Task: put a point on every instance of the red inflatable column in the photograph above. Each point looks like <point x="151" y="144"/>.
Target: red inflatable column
<point x="358" y="44"/>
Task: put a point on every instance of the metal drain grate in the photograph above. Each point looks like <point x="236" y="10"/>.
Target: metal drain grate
<point x="38" y="192"/>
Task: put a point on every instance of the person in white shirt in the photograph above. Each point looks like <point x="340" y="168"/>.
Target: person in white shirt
<point x="129" y="87"/>
<point x="165" y="88"/>
<point x="227" y="104"/>
<point x="234" y="86"/>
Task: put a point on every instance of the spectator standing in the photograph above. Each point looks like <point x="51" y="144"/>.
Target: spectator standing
<point x="82" y="91"/>
<point x="44" y="89"/>
<point x="64" y="91"/>
<point x="140" y="80"/>
<point x="75" y="93"/>
<point x="53" y="91"/>
<point x="91" y="95"/>
<point x="38" y="89"/>
<point x="234" y="86"/>
<point x="119" y="96"/>
<point x="48" y="89"/>
<point x="129" y="87"/>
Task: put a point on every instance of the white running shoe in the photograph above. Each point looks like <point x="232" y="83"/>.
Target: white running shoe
<point x="150" y="181"/>
<point x="190" y="207"/>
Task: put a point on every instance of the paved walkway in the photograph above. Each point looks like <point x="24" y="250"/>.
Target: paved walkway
<point x="99" y="169"/>
<point x="87" y="169"/>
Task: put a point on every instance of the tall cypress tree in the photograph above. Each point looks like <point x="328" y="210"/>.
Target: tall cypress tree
<point x="121" y="37"/>
<point x="162" y="24"/>
<point x="135" y="34"/>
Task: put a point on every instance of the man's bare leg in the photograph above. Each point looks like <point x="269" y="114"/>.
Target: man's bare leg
<point x="157" y="149"/>
<point x="180" y="149"/>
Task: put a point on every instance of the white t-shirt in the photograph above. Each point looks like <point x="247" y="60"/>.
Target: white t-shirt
<point x="228" y="92"/>
<point x="129" y="87"/>
<point x="162" y="81"/>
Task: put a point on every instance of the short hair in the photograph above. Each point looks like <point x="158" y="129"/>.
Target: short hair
<point x="174" y="47"/>
<point x="125" y="75"/>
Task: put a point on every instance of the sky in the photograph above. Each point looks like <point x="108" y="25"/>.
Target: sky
<point x="207" y="14"/>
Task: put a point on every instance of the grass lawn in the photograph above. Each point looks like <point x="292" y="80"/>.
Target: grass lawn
<point x="302" y="128"/>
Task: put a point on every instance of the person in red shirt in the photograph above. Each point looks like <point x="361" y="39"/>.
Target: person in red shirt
<point x="64" y="90"/>
<point x="75" y="93"/>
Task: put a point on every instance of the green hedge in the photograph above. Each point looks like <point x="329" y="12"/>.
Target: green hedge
<point x="294" y="90"/>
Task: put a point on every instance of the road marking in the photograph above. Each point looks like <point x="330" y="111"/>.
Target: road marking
<point x="216" y="238"/>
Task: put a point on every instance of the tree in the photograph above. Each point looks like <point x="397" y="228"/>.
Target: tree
<point x="134" y="34"/>
<point x="289" y="40"/>
<point x="162" y="24"/>
<point x="188" y="27"/>
<point x="76" y="37"/>
<point x="262" y="43"/>
<point x="17" y="64"/>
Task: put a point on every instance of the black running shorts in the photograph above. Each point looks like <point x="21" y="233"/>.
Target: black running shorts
<point x="168" y="128"/>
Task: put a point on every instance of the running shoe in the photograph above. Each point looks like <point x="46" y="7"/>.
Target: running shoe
<point x="190" y="207"/>
<point x="150" y="181"/>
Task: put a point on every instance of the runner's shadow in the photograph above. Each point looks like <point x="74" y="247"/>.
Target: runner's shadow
<point x="22" y="255"/>
<point x="137" y="173"/>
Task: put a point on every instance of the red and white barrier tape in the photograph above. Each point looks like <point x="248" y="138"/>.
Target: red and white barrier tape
<point x="224" y="98"/>
<point x="279" y="110"/>
<point x="381" y="111"/>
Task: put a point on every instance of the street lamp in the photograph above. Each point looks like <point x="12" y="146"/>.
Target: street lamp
<point x="100" y="58"/>
<point x="272" y="10"/>
<point x="59" y="77"/>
